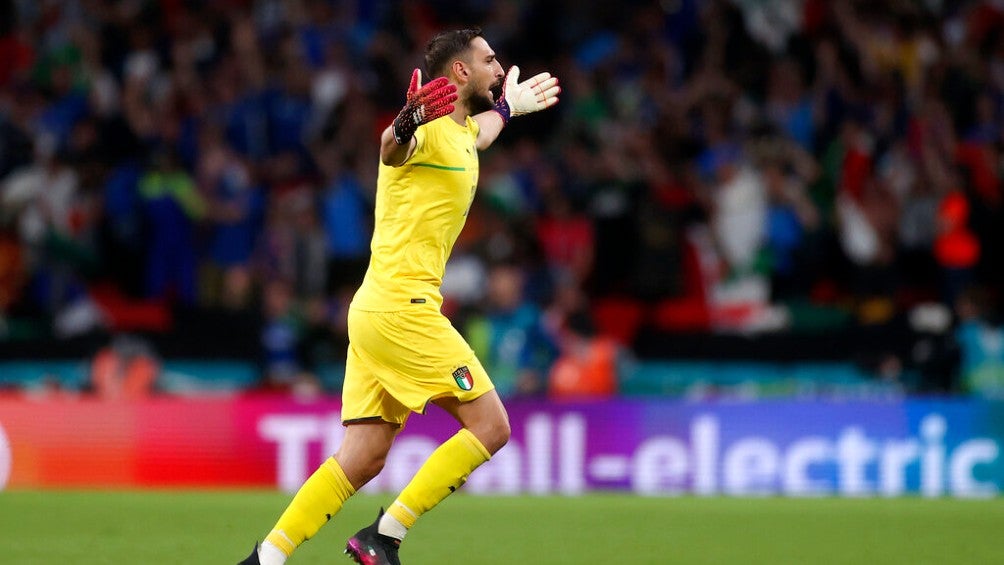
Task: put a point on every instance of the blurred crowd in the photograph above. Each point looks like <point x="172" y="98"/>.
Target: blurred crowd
<point x="714" y="165"/>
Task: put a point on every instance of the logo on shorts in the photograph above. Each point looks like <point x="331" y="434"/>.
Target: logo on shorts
<point x="463" y="377"/>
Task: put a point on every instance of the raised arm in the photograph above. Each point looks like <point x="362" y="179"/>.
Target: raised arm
<point x="532" y="95"/>
<point x="423" y="104"/>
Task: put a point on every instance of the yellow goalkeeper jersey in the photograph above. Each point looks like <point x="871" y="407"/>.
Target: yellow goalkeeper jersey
<point x="421" y="206"/>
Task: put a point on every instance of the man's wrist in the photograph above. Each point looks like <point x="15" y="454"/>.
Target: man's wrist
<point x="403" y="128"/>
<point x="502" y="107"/>
<point x="398" y="138"/>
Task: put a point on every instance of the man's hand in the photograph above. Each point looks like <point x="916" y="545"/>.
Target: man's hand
<point x="424" y="104"/>
<point x="531" y="95"/>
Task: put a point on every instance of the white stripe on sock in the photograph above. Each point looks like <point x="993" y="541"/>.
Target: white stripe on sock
<point x="391" y="527"/>
<point x="269" y="554"/>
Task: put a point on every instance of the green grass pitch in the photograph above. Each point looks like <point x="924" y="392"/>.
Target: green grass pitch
<point x="219" y="527"/>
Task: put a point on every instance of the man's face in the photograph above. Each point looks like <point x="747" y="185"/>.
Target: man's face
<point x="485" y="73"/>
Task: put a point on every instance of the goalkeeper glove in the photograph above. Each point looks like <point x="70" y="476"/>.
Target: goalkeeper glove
<point x="531" y="95"/>
<point x="424" y="104"/>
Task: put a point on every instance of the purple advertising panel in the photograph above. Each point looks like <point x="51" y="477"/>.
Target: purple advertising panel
<point x="949" y="448"/>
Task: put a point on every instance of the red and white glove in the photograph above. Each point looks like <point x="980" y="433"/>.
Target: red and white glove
<point x="532" y="95"/>
<point x="424" y="104"/>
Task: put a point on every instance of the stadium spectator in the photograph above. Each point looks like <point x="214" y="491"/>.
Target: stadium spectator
<point x="125" y="369"/>
<point x="172" y="205"/>
<point x="981" y="341"/>
<point x="955" y="248"/>
<point x="282" y="340"/>
<point x="586" y="356"/>
<point x="12" y="271"/>
<point x="345" y="214"/>
<point x="510" y="337"/>
<point x="235" y="211"/>
<point x="565" y="235"/>
<point x="791" y="221"/>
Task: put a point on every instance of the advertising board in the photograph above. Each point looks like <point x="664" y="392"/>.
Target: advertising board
<point x="649" y="447"/>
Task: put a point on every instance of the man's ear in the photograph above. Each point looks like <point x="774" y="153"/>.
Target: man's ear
<point x="461" y="71"/>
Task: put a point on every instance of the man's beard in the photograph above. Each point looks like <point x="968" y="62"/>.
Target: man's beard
<point x="478" y="102"/>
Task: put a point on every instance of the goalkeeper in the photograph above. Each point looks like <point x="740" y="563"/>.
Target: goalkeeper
<point x="403" y="353"/>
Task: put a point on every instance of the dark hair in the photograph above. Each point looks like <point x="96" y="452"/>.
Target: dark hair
<point x="445" y="46"/>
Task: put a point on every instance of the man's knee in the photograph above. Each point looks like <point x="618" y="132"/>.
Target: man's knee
<point x="504" y="433"/>
<point x="371" y="469"/>
<point x="364" y="451"/>
<point x="360" y="470"/>
<point x="493" y="433"/>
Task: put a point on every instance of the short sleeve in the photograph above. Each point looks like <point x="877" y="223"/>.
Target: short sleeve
<point x="474" y="126"/>
<point x="420" y="136"/>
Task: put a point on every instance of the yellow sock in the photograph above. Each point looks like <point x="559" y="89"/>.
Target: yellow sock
<point x="442" y="473"/>
<point x="320" y="498"/>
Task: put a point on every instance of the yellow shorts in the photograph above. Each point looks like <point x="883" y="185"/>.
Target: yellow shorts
<point x="399" y="361"/>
